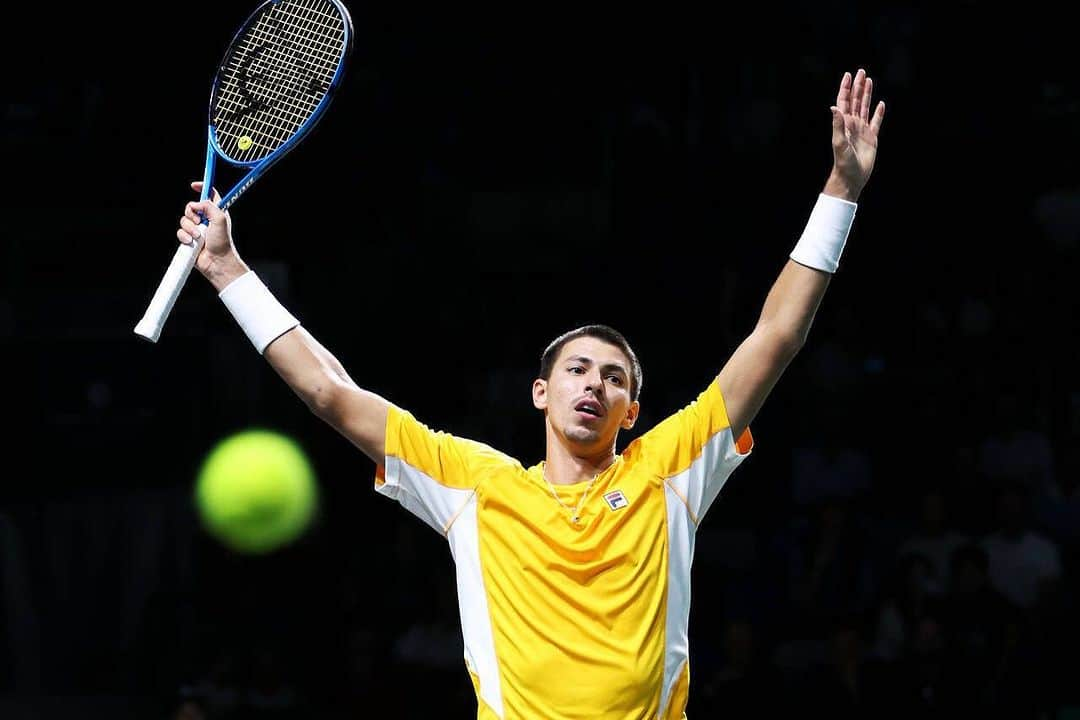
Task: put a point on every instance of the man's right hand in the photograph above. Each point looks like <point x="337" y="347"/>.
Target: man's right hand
<point x="218" y="260"/>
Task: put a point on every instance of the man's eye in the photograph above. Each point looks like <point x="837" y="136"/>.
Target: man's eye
<point x="615" y="379"/>
<point x="577" y="369"/>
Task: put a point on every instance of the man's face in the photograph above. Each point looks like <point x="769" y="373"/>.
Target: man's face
<point x="587" y="397"/>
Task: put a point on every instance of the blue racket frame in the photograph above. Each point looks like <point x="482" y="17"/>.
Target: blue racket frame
<point x="259" y="167"/>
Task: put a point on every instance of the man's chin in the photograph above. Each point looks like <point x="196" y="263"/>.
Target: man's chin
<point x="584" y="436"/>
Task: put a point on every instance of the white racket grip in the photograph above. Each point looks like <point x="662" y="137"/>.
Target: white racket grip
<point x="162" y="303"/>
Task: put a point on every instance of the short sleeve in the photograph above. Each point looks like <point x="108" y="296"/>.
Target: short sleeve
<point x="428" y="472"/>
<point x="694" y="450"/>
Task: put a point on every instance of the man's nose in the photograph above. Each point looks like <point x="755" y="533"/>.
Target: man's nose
<point x="595" y="382"/>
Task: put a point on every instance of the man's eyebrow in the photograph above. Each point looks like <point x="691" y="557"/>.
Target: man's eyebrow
<point x="588" y="361"/>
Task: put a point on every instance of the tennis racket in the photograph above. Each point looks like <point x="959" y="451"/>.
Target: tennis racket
<point x="277" y="78"/>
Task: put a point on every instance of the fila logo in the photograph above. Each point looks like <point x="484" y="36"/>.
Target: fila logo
<point x="615" y="499"/>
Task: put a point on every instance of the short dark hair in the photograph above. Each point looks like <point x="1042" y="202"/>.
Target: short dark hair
<point x="600" y="332"/>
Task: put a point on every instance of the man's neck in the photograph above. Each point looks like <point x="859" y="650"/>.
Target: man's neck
<point x="562" y="467"/>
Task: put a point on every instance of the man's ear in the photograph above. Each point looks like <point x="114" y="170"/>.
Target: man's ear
<point x="539" y="393"/>
<point x="631" y="415"/>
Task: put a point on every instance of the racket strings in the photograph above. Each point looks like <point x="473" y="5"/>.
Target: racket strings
<point x="276" y="75"/>
<point x="290" y="45"/>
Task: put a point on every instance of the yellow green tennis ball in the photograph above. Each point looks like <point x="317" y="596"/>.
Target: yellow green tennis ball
<point x="256" y="491"/>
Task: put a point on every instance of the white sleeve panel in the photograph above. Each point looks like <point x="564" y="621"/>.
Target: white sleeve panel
<point x="420" y="494"/>
<point x="700" y="483"/>
<point x="476" y="627"/>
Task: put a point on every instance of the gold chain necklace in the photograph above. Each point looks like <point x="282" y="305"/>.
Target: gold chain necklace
<point x="575" y="514"/>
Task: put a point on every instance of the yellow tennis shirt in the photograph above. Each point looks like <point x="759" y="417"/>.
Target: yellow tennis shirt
<point x="563" y="619"/>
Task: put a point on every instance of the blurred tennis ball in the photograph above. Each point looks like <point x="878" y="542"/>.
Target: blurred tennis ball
<point x="256" y="491"/>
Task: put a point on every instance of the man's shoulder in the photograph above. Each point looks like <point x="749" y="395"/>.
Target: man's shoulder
<point x="488" y="456"/>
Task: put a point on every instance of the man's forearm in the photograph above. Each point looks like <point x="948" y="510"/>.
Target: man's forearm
<point x="794" y="298"/>
<point x="792" y="303"/>
<point x="231" y="268"/>
<point x="784" y="323"/>
<point x="307" y="367"/>
<point x="796" y="295"/>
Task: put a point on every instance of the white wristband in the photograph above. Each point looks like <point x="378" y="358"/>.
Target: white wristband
<point x="260" y="315"/>
<point x="826" y="233"/>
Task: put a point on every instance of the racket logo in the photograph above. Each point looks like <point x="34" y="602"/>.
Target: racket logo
<point x="253" y="86"/>
<point x="228" y="201"/>
<point x="284" y="74"/>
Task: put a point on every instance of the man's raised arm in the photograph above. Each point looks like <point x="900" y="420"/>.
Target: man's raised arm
<point x="317" y="377"/>
<point x="755" y="366"/>
<point x="312" y="372"/>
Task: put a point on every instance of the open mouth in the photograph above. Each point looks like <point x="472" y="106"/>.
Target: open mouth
<point x="590" y="407"/>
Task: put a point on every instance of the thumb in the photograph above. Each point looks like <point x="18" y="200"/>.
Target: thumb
<point x="839" y="136"/>
<point x="211" y="211"/>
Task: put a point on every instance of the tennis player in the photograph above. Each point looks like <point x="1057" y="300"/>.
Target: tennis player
<point x="573" y="574"/>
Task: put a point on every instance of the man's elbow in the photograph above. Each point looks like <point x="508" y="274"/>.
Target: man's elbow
<point x="786" y="343"/>
<point x="324" y="396"/>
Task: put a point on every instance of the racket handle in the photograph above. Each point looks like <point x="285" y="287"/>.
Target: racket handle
<point x="161" y="304"/>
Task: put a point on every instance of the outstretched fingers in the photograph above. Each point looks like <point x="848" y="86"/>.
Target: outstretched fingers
<point x="858" y="85"/>
<point x="879" y="116"/>
<point x="864" y="102"/>
<point x="843" y="97"/>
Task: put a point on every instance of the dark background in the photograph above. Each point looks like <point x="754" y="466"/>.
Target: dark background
<point x="483" y="183"/>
